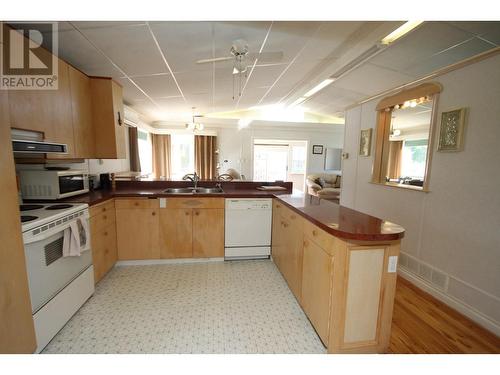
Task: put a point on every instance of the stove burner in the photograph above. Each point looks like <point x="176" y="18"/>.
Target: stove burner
<point x="59" y="207"/>
<point x="29" y="207"/>
<point x="25" y="218"/>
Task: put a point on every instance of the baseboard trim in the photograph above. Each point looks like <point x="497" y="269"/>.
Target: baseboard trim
<point x="151" y="262"/>
<point x="454" y="303"/>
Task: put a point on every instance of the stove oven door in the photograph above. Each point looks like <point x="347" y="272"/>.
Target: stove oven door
<point x="48" y="271"/>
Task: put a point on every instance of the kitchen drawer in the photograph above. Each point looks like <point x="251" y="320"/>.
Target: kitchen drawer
<point x="102" y="208"/>
<point x="126" y="203"/>
<point x="323" y="239"/>
<point x="103" y="219"/>
<point x="195" y="202"/>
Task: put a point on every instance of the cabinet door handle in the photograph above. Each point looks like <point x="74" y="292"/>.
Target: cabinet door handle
<point x="136" y="203"/>
<point x="105" y="233"/>
<point x="187" y="213"/>
<point x="153" y="213"/>
<point x="314" y="232"/>
<point x="119" y="118"/>
<point x="197" y="213"/>
<point x="104" y="209"/>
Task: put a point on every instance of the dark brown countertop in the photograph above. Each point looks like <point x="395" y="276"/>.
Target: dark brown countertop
<point x="341" y="221"/>
<point x="337" y="220"/>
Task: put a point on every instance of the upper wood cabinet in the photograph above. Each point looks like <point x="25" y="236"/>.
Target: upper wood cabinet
<point x="107" y="118"/>
<point x="81" y="108"/>
<point x="46" y="111"/>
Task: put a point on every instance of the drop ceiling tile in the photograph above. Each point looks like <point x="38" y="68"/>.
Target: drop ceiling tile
<point x="195" y="82"/>
<point x="451" y="56"/>
<point x="184" y="43"/>
<point x="290" y="37"/>
<point x="427" y="40"/>
<point x="77" y="51"/>
<point x="370" y="79"/>
<point x="87" y="25"/>
<point x="157" y="86"/>
<point x="130" y="92"/>
<point x="487" y="30"/>
<point x="131" y="47"/>
<point x="264" y="76"/>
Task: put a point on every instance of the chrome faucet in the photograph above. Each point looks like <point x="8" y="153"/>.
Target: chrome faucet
<point x="192" y="177"/>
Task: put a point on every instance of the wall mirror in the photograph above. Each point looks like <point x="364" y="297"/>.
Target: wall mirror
<point x="404" y="137"/>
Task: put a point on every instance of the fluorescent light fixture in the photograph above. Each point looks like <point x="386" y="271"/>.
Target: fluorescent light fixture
<point x="400" y="31"/>
<point x="318" y="87"/>
<point x="298" y="101"/>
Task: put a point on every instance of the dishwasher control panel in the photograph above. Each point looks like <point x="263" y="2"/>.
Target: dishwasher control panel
<point x="249" y="204"/>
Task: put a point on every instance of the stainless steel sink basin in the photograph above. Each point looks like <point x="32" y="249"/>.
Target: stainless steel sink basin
<point x="192" y="190"/>
<point x="210" y="190"/>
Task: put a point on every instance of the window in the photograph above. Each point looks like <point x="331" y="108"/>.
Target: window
<point x="182" y="155"/>
<point x="145" y="151"/>
<point x="413" y="159"/>
<point x="298" y="164"/>
<point x="403" y="137"/>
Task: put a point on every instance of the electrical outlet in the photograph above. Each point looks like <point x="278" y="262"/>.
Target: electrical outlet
<point x="392" y="264"/>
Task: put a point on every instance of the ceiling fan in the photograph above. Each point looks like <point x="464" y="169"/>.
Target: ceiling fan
<point x="243" y="58"/>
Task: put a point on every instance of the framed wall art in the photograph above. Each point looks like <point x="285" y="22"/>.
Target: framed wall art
<point x="365" y="142"/>
<point x="317" y="149"/>
<point x="451" y="130"/>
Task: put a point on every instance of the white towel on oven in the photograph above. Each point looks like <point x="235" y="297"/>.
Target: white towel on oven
<point x="76" y="238"/>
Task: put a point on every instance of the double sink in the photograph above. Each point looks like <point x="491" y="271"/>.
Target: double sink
<point x="194" y="190"/>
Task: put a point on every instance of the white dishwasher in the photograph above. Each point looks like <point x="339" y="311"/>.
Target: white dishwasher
<point x="248" y="223"/>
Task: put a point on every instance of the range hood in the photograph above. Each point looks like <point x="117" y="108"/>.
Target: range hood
<point x="31" y="142"/>
<point x="24" y="146"/>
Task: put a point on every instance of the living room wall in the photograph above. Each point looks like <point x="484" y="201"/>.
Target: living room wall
<point x="454" y="228"/>
<point x="236" y="145"/>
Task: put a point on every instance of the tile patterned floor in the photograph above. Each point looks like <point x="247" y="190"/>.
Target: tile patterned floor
<point x="213" y="307"/>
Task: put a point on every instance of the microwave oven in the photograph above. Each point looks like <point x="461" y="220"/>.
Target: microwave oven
<point x="44" y="184"/>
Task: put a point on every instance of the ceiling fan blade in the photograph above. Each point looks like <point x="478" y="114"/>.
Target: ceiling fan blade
<point x="266" y="56"/>
<point x="216" y="59"/>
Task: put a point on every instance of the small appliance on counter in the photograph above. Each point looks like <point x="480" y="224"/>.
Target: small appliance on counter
<point x="53" y="184"/>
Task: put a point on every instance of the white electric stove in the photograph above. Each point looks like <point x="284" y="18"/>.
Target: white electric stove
<point x="58" y="285"/>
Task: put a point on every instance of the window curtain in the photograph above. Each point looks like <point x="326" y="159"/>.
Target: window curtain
<point x="161" y="155"/>
<point x="135" y="161"/>
<point x="395" y="155"/>
<point x="205" y="159"/>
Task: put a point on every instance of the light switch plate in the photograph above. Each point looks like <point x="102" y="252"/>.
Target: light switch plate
<point x="163" y="202"/>
<point x="392" y="264"/>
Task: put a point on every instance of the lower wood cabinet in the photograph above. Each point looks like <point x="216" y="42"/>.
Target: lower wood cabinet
<point x="316" y="287"/>
<point x="208" y="232"/>
<point x="137" y="229"/>
<point x="103" y="235"/>
<point x="176" y="233"/>
<point x="287" y="247"/>
<point x="192" y="228"/>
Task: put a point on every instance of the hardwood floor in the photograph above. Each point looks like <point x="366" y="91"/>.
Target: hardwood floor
<point x="422" y="324"/>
